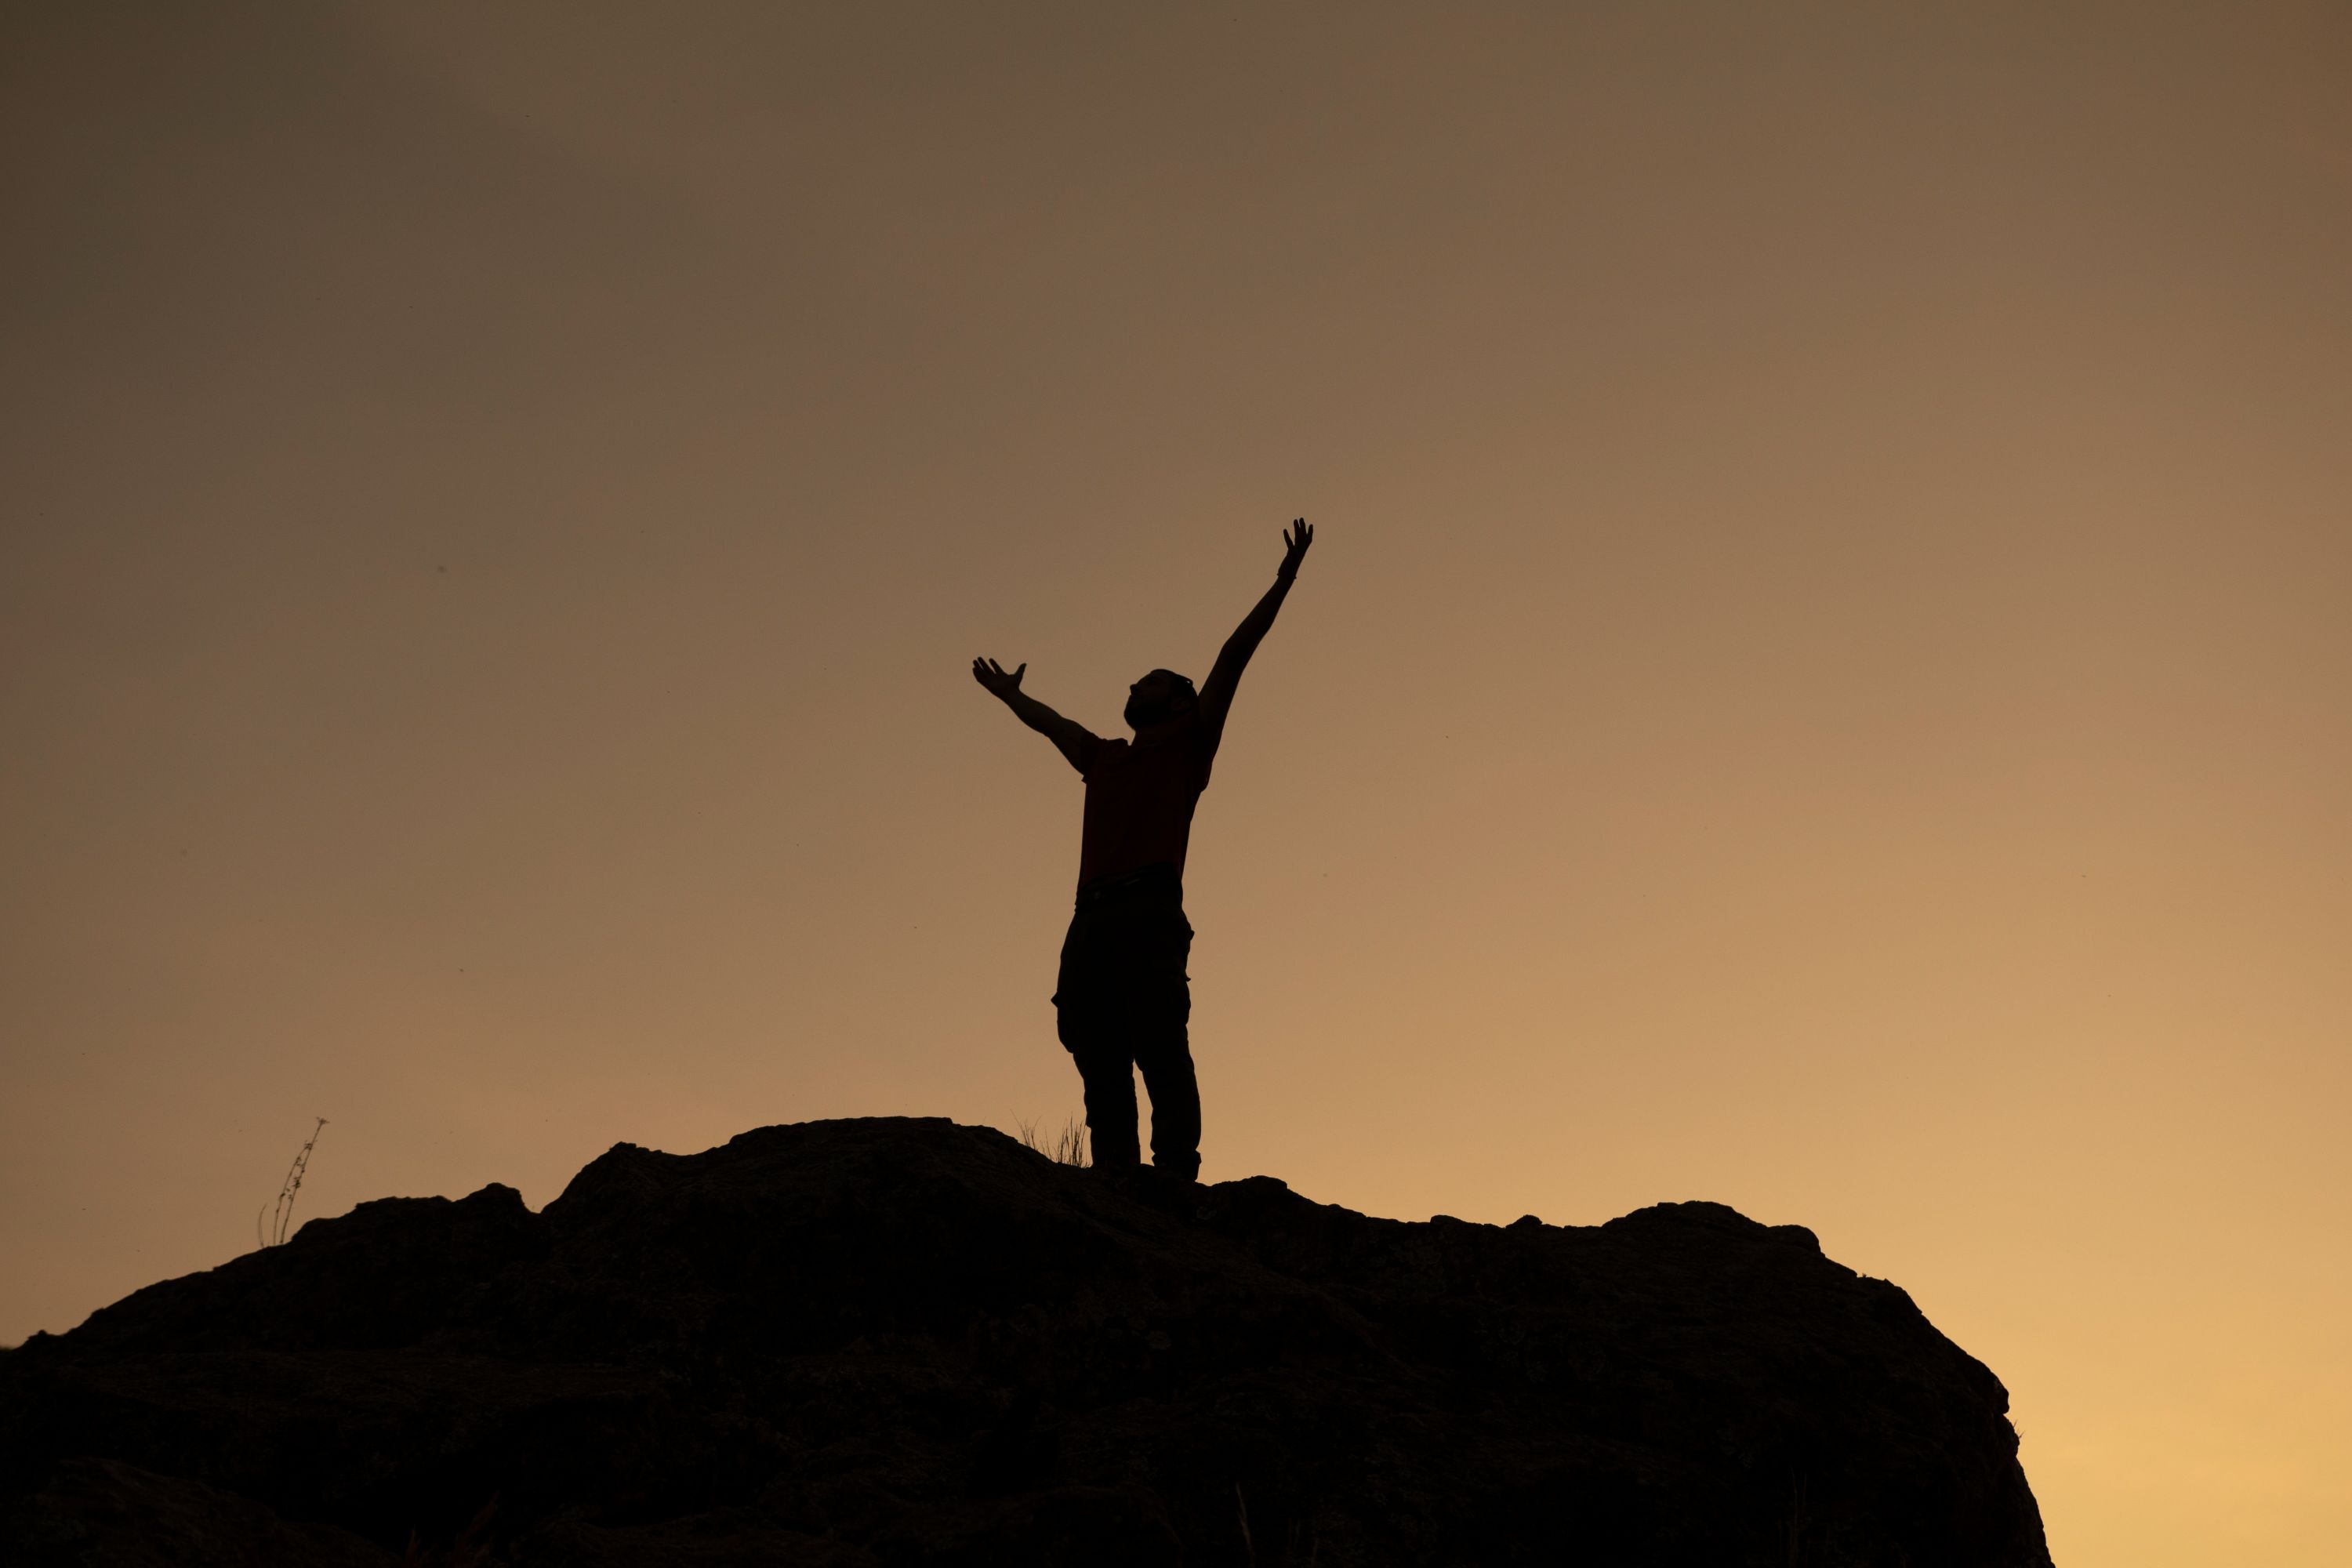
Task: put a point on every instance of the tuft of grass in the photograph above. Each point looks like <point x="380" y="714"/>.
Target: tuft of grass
<point x="1067" y="1147"/>
<point x="270" y="1224"/>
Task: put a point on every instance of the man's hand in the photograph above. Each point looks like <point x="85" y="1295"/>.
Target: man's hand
<point x="1295" y="540"/>
<point x="1072" y="738"/>
<point x="1217" y="692"/>
<point x="1001" y="684"/>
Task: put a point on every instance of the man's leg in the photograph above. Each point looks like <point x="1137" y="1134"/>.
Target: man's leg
<point x="1167" y="1064"/>
<point x="1109" y="1076"/>
<point x="1163" y="1050"/>
<point x="1085" y="1017"/>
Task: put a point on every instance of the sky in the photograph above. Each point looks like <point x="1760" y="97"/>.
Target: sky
<point x="1824" y="681"/>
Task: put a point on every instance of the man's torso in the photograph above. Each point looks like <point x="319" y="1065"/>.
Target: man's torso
<point x="1140" y="798"/>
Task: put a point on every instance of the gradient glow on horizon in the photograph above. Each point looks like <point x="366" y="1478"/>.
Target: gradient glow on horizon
<point x="1824" y="682"/>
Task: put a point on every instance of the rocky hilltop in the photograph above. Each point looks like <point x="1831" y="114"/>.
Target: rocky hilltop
<point x="881" y="1342"/>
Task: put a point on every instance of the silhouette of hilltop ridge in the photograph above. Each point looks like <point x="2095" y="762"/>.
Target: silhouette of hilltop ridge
<point x="901" y="1341"/>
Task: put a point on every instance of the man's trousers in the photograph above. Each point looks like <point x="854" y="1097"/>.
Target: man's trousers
<point x="1123" y="1002"/>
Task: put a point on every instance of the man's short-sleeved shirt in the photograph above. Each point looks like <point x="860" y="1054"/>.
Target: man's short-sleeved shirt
<point x="1140" y="797"/>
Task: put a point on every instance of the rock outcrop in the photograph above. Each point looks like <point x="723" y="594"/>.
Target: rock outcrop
<point x="894" y="1342"/>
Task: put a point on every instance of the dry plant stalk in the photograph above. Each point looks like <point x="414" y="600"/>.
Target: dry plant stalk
<point x="273" y="1234"/>
<point x="1067" y="1147"/>
<point x="470" y="1550"/>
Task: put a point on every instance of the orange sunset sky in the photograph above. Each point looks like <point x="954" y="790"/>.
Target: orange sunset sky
<point x="1824" y="681"/>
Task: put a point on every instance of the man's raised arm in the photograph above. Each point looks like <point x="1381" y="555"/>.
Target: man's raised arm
<point x="1070" y="737"/>
<point x="1217" y="695"/>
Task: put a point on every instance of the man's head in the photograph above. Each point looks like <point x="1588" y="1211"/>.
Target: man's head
<point x="1158" y="696"/>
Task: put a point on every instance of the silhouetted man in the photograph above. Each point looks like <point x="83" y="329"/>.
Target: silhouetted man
<point x="1122" y="998"/>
